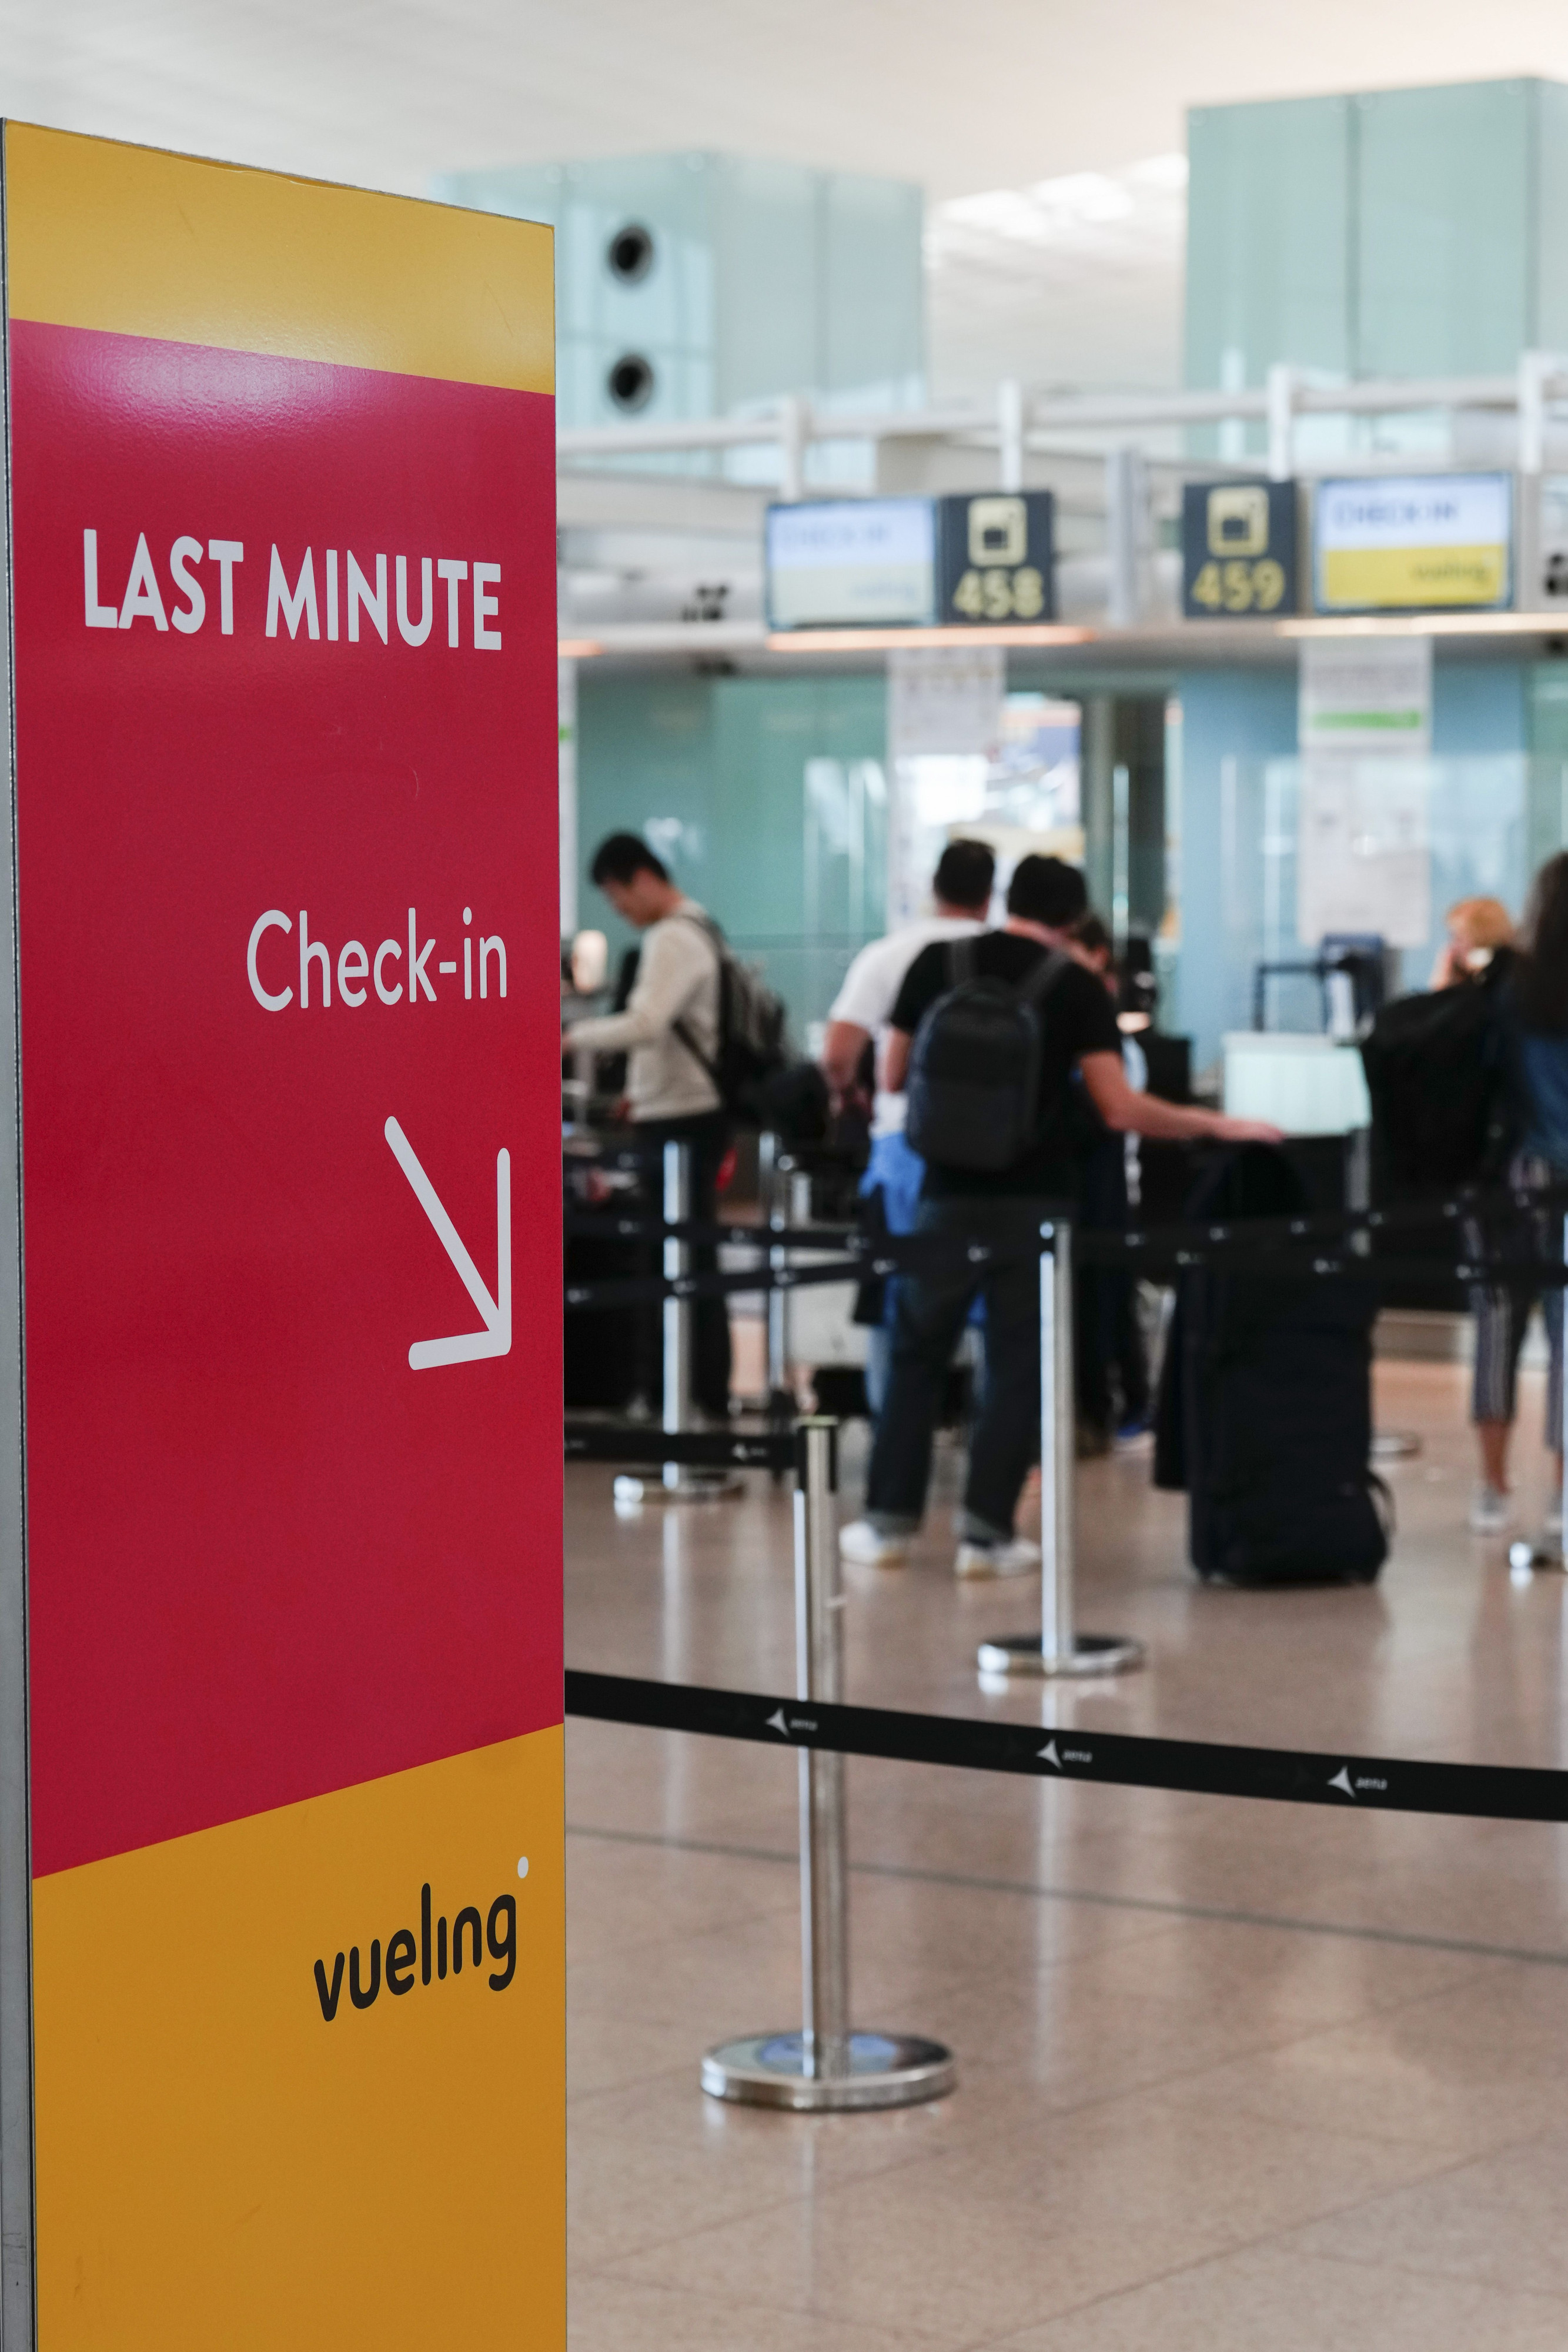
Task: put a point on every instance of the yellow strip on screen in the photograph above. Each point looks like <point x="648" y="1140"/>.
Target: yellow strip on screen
<point x="1413" y="576"/>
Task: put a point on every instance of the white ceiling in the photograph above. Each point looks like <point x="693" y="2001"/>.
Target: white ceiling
<point x="959" y="96"/>
<point x="1044" y="131"/>
<point x="1070" y="283"/>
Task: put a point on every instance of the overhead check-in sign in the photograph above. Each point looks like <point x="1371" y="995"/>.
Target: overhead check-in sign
<point x="998" y="558"/>
<point x="280" y="1697"/>
<point x="1412" y="542"/>
<point x="1238" y="550"/>
<point x="837" y="564"/>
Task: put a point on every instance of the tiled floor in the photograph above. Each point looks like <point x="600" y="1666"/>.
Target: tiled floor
<point x="1231" y="2074"/>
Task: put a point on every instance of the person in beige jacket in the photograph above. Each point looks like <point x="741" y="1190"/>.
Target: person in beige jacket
<point x="669" y="1033"/>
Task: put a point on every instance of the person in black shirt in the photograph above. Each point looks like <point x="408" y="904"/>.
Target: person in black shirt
<point x="1082" y="1091"/>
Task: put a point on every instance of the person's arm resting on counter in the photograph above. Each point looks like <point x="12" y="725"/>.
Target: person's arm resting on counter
<point x="1122" y="1111"/>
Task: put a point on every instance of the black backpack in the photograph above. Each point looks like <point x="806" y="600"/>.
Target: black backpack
<point x="751" y="1071"/>
<point x="1437" y="1074"/>
<point x="973" y="1086"/>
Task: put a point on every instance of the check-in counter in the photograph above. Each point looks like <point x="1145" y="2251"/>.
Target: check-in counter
<point x="1305" y="1085"/>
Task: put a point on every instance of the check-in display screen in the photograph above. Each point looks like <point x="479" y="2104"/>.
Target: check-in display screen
<point x="1408" y="542"/>
<point x="852" y="563"/>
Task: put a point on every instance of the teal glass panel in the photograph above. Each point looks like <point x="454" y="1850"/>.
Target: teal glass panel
<point x="765" y="279"/>
<point x="1550" y="244"/>
<point x="1444" y="190"/>
<point x="1495" y="797"/>
<point x="873" y="292"/>
<point x="1547" y="708"/>
<point x="1268" y="273"/>
<point x="766" y="266"/>
<point x="764" y="797"/>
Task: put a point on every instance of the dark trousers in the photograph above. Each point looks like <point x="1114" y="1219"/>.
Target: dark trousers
<point x="708" y="1134"/>
<point x="1107" y="1339"/>
<point x="929" y="1317"/>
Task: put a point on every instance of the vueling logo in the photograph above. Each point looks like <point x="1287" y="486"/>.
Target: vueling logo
<point x="499" y="1934"/>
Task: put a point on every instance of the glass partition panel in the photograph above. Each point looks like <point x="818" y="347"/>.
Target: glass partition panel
<point x="1395" y="843"/>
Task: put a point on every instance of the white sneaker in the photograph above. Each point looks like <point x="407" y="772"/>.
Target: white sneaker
<point x="869" y="1548"/>
<point x="1017" y="1558"/>
<point x="1490" y="1510"/>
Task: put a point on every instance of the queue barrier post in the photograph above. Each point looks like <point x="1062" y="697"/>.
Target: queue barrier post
<point x="1387" y="1444"/>
<point x="1550" y="1550"/>
<point x="826" y="2065"/>
<point x="676" y="1311"/>
<point x="678" y="1483"/>
<point x="1058" y="1648"/>
<point x="776" y="1187"/>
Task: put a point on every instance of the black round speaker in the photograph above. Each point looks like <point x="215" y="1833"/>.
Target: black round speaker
<point x="629" y="253"/>
<point x="631" y="380"/>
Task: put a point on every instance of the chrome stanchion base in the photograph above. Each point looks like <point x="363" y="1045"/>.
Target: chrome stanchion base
<point x="1091" y="1653"/>
<point x="1525" y="1556"/>
<point x="1395" y="1445"/>
<point x="885" y="2070"/>
<point x="692" y="1486"/>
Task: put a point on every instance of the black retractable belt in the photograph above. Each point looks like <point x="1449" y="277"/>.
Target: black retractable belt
<point x="1118" y="1760"/>
<point x="1286" y="1248"/>
<point x="718" y="1449"/>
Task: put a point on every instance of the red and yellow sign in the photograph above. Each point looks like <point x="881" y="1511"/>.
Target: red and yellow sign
<point x="282" y="475"/>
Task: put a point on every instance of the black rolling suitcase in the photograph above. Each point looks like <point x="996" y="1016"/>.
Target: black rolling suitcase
<point x="1266" y="1407"/>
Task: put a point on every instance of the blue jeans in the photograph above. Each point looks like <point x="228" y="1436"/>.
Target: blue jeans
<point x="897" y="1172"/>
<point x="932" y="1308"/>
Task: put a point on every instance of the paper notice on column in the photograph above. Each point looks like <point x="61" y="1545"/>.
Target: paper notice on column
<point x="1365" y="694"/>
<point x="944" y="699"/>
<point x="944" y="723"/>
<point x="1363" y="858"/>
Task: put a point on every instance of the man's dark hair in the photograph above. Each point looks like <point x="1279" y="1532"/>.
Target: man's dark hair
<point x="622" y="857"/>
<point x="1091" y="932"/>
<point x="964" y="873"/>
<point x="1047" y="890"/>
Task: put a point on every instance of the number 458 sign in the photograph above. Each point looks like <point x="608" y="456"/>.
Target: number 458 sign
<point x="995" y="558"/>
<point x="1238" y="549"/>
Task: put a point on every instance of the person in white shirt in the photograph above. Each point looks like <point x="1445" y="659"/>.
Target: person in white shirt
<point x="670" y="1034"/>
<point x="961" y="888"/>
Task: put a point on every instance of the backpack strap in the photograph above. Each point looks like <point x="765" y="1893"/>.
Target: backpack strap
<point x="710" y="1069"/>
<point x="1038" y="984"/>
<point x="678" y="1029"/>
<point x="961" y="958"/>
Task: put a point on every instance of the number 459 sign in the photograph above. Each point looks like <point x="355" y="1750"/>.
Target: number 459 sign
<point x="994" y="557"/>
<point x="1238" y="549"/>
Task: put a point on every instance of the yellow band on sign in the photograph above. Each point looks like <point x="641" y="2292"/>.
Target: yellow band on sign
<point x="135" y="242"/>
<point x="1397" y="578"/>
<point x="331" y="2029"/>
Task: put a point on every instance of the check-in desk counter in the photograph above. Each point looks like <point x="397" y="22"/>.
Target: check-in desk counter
<point x="1313" y="1089"/>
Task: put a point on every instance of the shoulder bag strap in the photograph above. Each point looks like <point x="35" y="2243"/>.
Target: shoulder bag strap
<point x="678" y="1029"/>
<point x="1038" y="984"/>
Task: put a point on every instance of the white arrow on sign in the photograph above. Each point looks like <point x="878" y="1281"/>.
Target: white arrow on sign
<point x="495" y="1338"/>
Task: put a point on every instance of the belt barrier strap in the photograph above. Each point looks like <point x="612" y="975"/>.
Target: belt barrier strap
<point x="1093" y="1249"/>
<point x="1504" y="1792"/>
<point x="751" y="1449"/>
